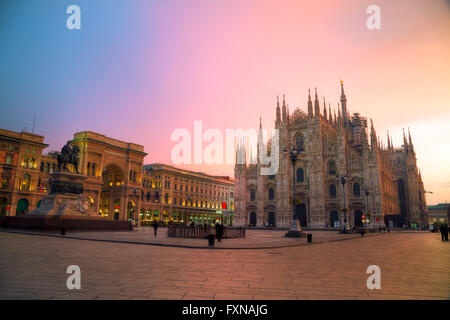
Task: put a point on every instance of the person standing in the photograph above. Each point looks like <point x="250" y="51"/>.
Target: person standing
<point x="155" y="228"/>
<point x="446" y="232"/>
<point x="441" y="230"/>
<point x="219" y="231"/>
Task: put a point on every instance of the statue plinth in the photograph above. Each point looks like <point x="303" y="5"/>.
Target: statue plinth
<point x="66" y="197"/>
<point x="295" y="231"/>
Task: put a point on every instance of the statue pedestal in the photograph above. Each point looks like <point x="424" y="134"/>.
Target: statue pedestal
<point x="295" y="231"/>
<point x="66" y="197"/>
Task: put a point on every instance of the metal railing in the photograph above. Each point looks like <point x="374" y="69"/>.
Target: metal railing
<point x="202" y="232"/>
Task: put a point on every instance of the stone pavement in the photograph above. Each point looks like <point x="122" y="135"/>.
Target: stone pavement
<point x="413" y="266"/>
<point x="255" y="239"/>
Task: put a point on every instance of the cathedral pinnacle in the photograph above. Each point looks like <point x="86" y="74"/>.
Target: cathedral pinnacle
<point x="310" y="109"/>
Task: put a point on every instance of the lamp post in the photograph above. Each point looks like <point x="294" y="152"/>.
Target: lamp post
<point x="343" y="179"/>
<point x="366" y="192"/>
<point x="295" y="229"/>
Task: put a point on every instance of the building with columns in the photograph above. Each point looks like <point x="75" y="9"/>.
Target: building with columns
<point x="118" y="184"/>
<point x="382" y="184"/>
<point x="180" y="196"/>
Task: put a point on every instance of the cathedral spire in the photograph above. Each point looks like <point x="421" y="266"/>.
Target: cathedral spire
<point x="405" y="142"/>
<point x="344" y="104"/>
<point x="287" y="114"/>
<point x="389" y="141"/>
<point x="278" y="120"/>
<point x="339" y="115"/>
<point x="316" y="106"/>
<point x="410" y="141"/>
<point x="329" y="113"/>
<point x="373" y="136"/>
<point x="310" y="109"/>
<point x="324" y="109"/>
<point x="284" y="110"/>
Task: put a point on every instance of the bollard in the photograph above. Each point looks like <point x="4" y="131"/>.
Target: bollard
<point x="309" y="237"/>
<point x="211" y="238"/>
<point x="63" y="231"/>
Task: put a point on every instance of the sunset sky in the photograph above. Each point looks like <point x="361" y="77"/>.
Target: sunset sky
<point x="138" y="70"/>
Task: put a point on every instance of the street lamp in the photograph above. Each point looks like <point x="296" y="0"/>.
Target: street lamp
<point x="366" y="192"/>
<point x="343" y="179"/>
<point x="295" y="229"/>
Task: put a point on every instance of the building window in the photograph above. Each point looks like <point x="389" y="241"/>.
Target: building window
<point x="166" y="198"/>
<point x="271" y="194"/>
<point x="9" y="159"/>
<point x="25" y="162"/>
<point x="252" y="194"/>
<point x="300" y="175"/>
<point x="356" y="189"/>
<point x="333" y="191"/>
<point x="300" y="143"/>
<point x="26" y="182"/>
<point x="332" y="168"/>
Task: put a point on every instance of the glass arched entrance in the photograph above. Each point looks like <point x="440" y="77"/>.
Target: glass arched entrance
<point x="300" y="214"/>
<point x="112" y="181"/>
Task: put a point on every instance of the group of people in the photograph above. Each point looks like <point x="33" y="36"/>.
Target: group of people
<point x="443" y="228"/>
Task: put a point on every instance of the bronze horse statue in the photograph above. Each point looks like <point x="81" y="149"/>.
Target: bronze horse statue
<point x="68" y="155"/>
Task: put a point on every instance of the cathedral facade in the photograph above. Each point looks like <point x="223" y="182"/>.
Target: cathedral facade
<point x="343" y="174"/>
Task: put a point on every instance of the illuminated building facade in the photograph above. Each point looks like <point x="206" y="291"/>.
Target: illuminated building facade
<point x="118" y="185"/>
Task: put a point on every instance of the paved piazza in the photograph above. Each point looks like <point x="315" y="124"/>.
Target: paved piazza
<point x="414" y="265"/>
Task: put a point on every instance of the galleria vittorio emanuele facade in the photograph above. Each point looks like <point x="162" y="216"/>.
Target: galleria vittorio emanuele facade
<point x="342" y="169"/>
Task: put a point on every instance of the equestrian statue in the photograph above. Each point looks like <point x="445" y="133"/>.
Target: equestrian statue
<point x="70" y="155"/>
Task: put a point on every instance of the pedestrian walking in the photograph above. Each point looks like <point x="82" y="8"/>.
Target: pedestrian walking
<point x="446" y="232"/>
<point x="155" y="228"/>
<point x="441" y="230"/>
<point x="219" y="231"/>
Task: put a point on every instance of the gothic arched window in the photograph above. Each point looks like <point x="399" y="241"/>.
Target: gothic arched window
<point x="300" y="175"/>
<point x="300" y="143"/>
<point x="333" y="191"/>
<point x="332" y="168"/>
<point x="356" y="189"/>
<point x="252" y="194"/>
<point x="271" y="194"/>
<point x="26" y="182"/>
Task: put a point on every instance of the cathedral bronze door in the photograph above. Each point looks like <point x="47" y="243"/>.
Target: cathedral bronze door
<point x="253" y="219"/>
<point x="358" y="218"/>
<point x="300" y="214"/>
<point x="271" y="219"/>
